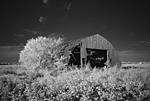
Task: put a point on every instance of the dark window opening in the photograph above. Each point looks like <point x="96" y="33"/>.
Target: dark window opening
<point x="96" y="57"/>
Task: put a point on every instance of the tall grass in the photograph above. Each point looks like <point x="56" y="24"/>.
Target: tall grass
<point x="84" y="84"/>
<point x="95" y="85"/>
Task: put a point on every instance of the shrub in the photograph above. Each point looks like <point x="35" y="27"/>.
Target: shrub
<point x="12" y="89"/>
<point x="92" y="85"/>
<point x="79" y="85"/>
<point x="39" y="52"/>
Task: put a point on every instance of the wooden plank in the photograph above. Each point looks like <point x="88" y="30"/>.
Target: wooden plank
<point x="107" y="58"/>
<point x="81" y="53"/>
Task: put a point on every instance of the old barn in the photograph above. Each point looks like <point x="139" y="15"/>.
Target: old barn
<point x="95" y="50"/>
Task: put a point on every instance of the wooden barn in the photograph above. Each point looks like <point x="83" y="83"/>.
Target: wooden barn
<point x="95" y="50"/>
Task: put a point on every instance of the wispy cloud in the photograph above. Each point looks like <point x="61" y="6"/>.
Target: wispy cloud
<point x="42" y="20"/>
<point x="145" y="42"/>
<point x="139" y="43"/>
<point x="45" y="2"/>
<point x="20" y="35"/>
<point x="33" y="32"/>
<point x="30" y="31"/>
<point x="67" y="7"/>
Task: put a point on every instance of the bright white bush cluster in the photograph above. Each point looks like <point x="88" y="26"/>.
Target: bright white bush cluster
<point x="39" y="52"/>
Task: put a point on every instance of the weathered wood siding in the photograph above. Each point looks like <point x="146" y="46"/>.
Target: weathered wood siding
<point x="99" y="42"/>
<point x="95" y="42"/>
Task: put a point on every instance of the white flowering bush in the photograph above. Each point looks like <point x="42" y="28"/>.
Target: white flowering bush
<point x="39" y="52"/>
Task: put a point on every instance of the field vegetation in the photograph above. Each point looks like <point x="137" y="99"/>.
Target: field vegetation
<point x="47" y="78"/>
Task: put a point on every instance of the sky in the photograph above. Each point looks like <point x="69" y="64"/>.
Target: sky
<point x="124" y="23"/>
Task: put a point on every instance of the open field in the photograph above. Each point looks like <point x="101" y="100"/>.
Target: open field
<point x="145" y="65"/>
<point x="141" y="65"/>
<point x="76" y="85"/>
<point x="15" y="69"/>
<point x="11" y="69"/>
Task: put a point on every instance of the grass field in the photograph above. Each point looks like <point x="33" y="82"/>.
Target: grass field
<point x="145" y="65"/>
<point x="77" y="85"/>
<point x="14" y="68"/>
<point x="17" y="69"/>
<point x="11" y="69"/>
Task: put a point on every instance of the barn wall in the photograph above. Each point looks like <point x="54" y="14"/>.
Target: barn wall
<point x="95" y="42"/>
<point x="99" y="42"/>
<point x="115" y="59"/>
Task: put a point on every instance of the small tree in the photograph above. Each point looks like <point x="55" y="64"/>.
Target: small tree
<point x="39" y="52"/>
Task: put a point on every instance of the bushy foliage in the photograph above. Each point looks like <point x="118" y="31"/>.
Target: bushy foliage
<point x="39" y="52"/>
<point x="79" y="85"/>
<point x="12" y="89"/>
<point x="95" y="85"/>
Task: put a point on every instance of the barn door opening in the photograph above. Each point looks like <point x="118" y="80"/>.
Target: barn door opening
<point x="75" y="56"/>
<point x="96" y="57"/>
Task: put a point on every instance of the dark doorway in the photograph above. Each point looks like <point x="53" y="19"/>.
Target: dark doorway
<point x="96" y="57"/>
<point x="75" y="56"/>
